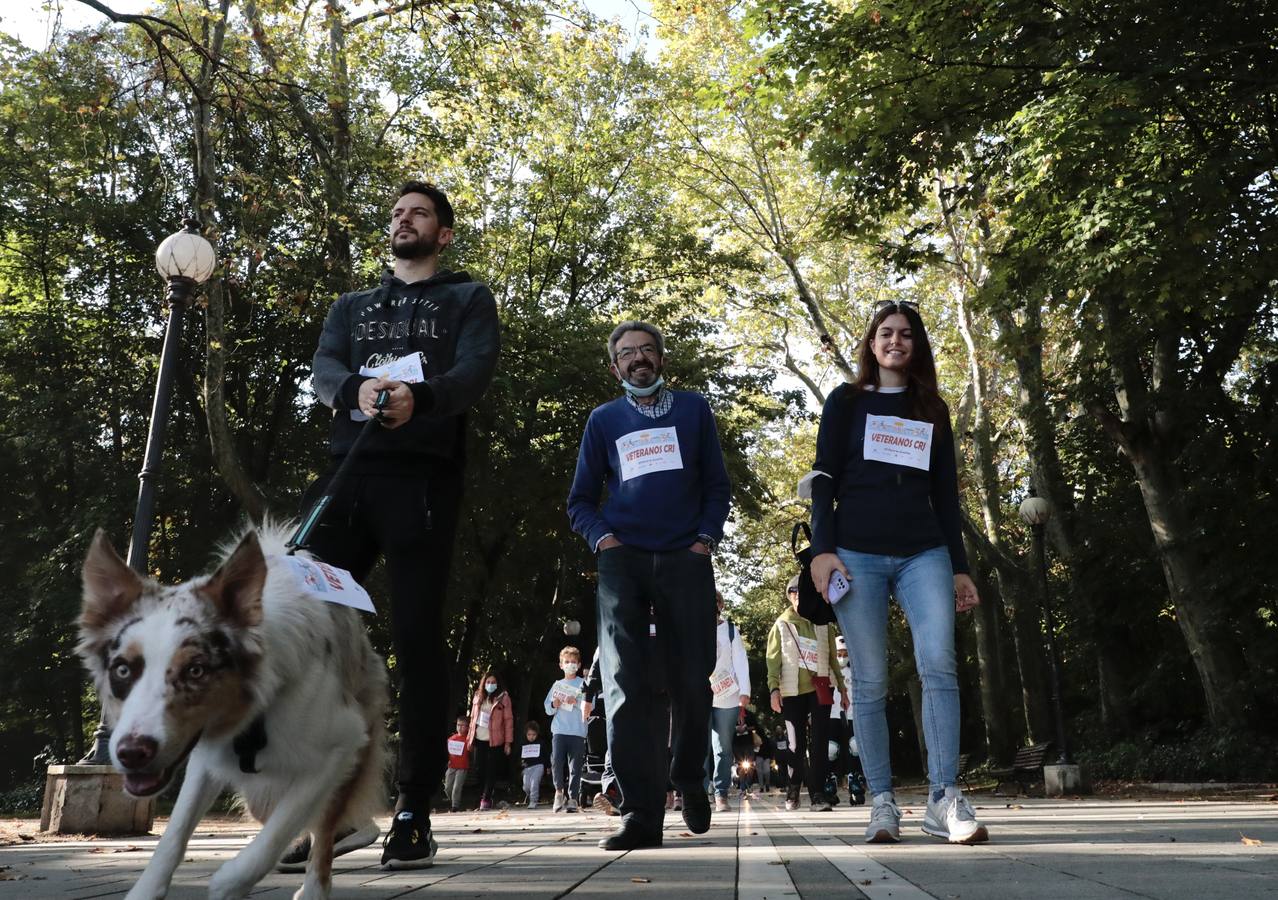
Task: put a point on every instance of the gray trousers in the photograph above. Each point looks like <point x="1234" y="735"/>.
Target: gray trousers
<point x="532" y="781"/>
<point x="454" y="781"/>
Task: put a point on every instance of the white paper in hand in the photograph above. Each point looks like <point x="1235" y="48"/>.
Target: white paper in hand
<point x="329" y="583"/>
<point x="407" y="369"/>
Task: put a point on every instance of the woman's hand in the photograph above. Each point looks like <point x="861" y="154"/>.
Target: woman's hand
<point x="775" y="698"/>
<point x="823" y="564"/>
<point x="965" y="595"/>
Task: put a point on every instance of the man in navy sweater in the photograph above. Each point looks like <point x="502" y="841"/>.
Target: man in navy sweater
<point x="658" y="453"/>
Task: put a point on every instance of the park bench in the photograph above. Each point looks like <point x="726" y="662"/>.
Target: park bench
<point x="1027" y="767"/>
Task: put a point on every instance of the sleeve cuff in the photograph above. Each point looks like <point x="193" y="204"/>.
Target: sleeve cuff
<point x="350" y="390"/>
<point x="423" y="397"/>
<point x="602" y="537"/>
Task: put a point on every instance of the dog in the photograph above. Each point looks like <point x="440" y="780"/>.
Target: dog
<point x="257" y="685"/>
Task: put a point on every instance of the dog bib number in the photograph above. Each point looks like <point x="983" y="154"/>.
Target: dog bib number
<point x="903" y="442"/>
<point x="649" y="450"/>
<point x="329" y="583"/>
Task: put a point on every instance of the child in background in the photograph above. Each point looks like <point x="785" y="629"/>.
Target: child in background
<point x="532" y="757"/>
<point x="458" y="764"/>
<point x="567" y="731"/>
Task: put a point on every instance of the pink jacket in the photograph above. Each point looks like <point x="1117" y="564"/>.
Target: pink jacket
<point x="501" y="721"/>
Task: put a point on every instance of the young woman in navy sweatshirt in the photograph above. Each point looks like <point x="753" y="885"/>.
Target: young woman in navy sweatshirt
<point x="886" y="515"/>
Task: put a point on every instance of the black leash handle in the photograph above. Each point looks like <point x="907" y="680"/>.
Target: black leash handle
<point x="301" y="537"/>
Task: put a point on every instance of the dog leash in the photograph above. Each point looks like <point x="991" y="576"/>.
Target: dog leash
<point x="302" y="536"/>
<point x="248" y="743"/>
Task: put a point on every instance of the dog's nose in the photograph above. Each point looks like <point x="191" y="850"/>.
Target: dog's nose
<point x="135" y="751"/>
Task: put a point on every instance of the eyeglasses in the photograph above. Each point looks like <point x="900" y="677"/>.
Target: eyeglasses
<point x="895" y="304"/>
<point x="793" y="591"/>
<point x="625" y="354"/>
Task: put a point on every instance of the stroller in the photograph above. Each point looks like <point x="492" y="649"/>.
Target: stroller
<point x="594" y="765"/>
<point x="849" y="760"/>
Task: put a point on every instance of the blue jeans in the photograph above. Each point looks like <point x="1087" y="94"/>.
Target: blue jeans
<point x="923" y="585"/>
<point x="723" y="726"/>
<point x="567" y="751"/>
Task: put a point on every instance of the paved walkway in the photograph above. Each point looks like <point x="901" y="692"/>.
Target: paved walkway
<point x="1062" y="850"/>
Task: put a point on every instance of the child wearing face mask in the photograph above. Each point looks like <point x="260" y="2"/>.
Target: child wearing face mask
<point x="492" y="731"/>
<point x="567" y="731"/>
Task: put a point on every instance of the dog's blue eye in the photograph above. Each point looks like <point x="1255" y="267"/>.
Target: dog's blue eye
<point x="122" y="671"/>
<point x="195" y="671"/>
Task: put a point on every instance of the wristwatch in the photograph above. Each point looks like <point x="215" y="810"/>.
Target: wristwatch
<point x="710" y="543"/>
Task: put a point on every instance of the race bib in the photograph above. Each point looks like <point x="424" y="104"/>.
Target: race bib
<point x="328" y="583"/>
<point x="903" y="442"/>
<point x="647" y="451"/>
<point x="566" y="694"/>
<point x="808" y="653"/>
<point x="407" y="369"/>
<point x="783" y="745"/>
<point x="723" y="681"/>
<point x="485" y="716"/>
<point x="530" y="751"/>
<point x="456" y="748"/>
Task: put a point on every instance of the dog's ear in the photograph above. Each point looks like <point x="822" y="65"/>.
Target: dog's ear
<point x="235" y="589"/>
<point x="110" y="586"/>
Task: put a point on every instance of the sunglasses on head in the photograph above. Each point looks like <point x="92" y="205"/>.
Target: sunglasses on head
<point x="895" y="304"/>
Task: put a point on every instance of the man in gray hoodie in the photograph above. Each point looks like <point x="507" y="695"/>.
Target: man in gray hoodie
<point x="430" y="338"/>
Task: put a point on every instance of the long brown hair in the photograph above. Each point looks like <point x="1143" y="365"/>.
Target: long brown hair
<point x="921" y="390"/>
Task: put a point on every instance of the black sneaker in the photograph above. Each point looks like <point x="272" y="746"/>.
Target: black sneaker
<point x="408" y="844"/>
<point x="297" y="856"/>
<point x="696" y="811"/>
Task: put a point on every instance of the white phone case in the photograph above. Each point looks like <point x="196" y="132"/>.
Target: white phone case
<point x="838" y="586"/>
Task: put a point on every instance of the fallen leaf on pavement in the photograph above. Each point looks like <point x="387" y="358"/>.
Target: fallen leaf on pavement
<point x="1250" y="842"/>
<point x="639" y="879"/>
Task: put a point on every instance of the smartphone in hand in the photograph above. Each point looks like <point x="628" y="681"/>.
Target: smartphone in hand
<point x="838" y="586"/>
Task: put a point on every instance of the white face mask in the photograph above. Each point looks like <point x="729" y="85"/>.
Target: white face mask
<point x="570" y="669"/>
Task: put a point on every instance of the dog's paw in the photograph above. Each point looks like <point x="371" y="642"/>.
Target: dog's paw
<point x="310" y="891"/>
<point x="228" y="883"/>
<point x="144" y="891"/>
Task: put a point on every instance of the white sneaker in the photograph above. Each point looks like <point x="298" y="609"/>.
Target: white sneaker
<point x="721" y="803"/>
<point x="559" y="802"/>
<point x="885" y="820"/>
<point x="953" y="818"/>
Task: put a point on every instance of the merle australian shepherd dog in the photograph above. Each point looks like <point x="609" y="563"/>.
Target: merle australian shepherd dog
<point x="257" y="686"/>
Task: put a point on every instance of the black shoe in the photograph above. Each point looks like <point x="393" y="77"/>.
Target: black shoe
<point x="819" y="803"/>
<point x="631" y="836"/>
<point x="296" y="857"/>
<point x="408" y="844"/>
<point x="696" y="812"/>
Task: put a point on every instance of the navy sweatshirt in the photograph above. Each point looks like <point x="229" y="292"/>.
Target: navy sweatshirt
<point x="881" y="507"/>
<point x="451" y="321"/>
<point x="661" y="494"/>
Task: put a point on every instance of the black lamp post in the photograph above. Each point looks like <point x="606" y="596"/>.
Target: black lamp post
<point x="186" y="260"/>
<point x="1036" y="512"/>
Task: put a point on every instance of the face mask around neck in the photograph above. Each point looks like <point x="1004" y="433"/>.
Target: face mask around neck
<point x="643" y="392"/>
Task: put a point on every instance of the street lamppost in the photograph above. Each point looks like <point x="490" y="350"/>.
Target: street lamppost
<point x="572" y="628"/>
<point x="1036" y="512"/>
<point x="185" y="260"/>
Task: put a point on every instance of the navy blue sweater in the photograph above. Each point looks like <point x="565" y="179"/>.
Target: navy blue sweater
<point x="655" y="509"/>
<point x="880" y="507"/>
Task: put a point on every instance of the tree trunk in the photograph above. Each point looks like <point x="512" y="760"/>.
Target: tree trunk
<point x="1174" y="536"/>
<point x="1026" y="343"/>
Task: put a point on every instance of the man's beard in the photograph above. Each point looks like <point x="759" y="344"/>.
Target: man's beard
<point x="421" y="248"/>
